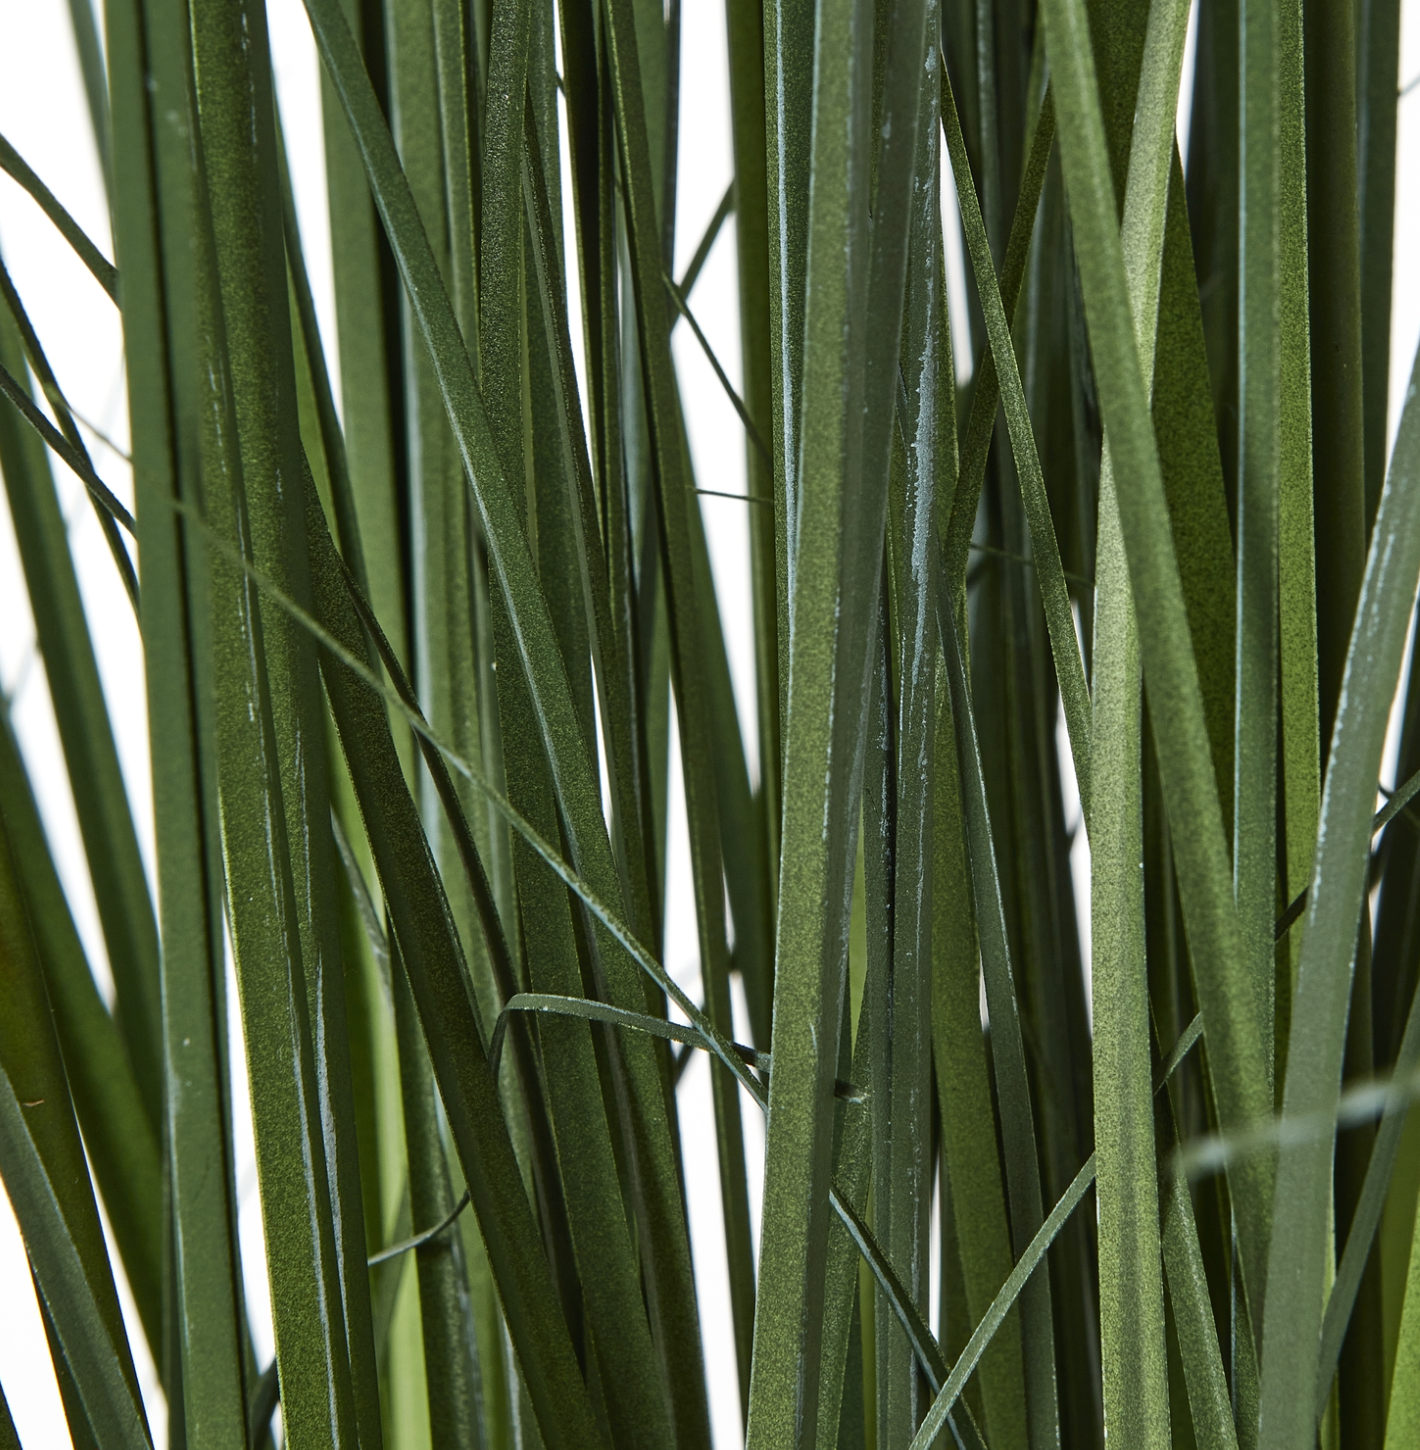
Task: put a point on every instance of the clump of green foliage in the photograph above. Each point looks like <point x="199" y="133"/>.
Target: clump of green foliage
<point x="409" y="670"/>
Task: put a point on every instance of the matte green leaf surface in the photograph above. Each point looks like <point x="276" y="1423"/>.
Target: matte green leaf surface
<point x="735" y="711"/>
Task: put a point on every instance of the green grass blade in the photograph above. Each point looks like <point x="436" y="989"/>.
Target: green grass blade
<point x="1295" y="1276"/>
<point x="690" y="625"/>
<point x="598" y="1218"/>
<point x="277" y="1022"/>
<point x="964" y="1090"/>
<point x="156" y="217"/>
<point x="828" y="596"/>
<point x="47" y="1180"/>
<point x="736" y="402"/>
<point x="430" y="952"/>
<point x="1208" y="1398"/>
<point x="901" y="816"/>
<point x="1025" y="1267"/>
<point x="743" y="852"/>
<point x="572" y="769"/>
<point x="1193" y="476"/>
<point x="986" y="392"/>
<point x="109" y="1403"/>
<point x="1366" y="1219"/>
<point x="590" y="1010"/>
<point x="91" y="68"/>
<point x="346" y="647"/>
<point x="566" y="749"/>
<point x="889" y="1040"/>
<point x="1131" y="1286"/>
<point x="105" y="820"/>
<point x="368" y="344"/>
<point x="1010" y="1291"/>
<point x="1345" y="512"/>
<point x="452" y="59"/>
<point x="119" y="1138"/>
<point x="34" y="1070"/>
<point x="1065" y="647"/>
<point x="1296" y="524"/>
<point x="107" y="509"/>
<point x="500" y="260"/>
<point x="1377" y="46"/>
<point x="1132" y="1330"/>
<point x="329" y="577"/>
<point x="1237" y="1059"/>
<point x="708" y="238"/>
<point x="1022" y="1169"/>
<point x="1151" y="154"/>
<point x="788" y="30"/>
<point x="450" y="1355"/>
<point x="613" y="670"/>
<point x="240" y="145"/>
<point x="1259" y="407"/>
<point x="855" y="293"/>
<point x="840" y="1396"/>
<point x="74" y="457"/>
<point x="1403" y="1415"/>
<point x="332" y="435"/>
<point x="103" y="270"/>
<point x="745" y="26"/>
<point x="1343" y="523"/>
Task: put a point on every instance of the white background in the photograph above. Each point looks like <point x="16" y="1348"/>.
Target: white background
<point x="43" y="114"/>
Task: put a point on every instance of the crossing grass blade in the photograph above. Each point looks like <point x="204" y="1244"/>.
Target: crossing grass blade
<point x="1045" y="551"/>
<point x="103" y="270"/>
<point x="120" y="888"/>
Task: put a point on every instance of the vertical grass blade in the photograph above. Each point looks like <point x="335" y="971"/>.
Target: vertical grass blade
<point x="1259" y="406"/>
<point x="156" y="211"/>
<point x="1296" y="531"/>
<point x="1131" y="1285"/>
<point x="831" y="582"/>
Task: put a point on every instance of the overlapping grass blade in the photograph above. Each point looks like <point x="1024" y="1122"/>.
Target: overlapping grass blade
<point x="1065" y="646"/>
<point x="1208" y="1400"/>
<point x="1370" y="1204"/>
<point x="1295" y="1275"/>
<point x="1022" y="1169"/>
<point x="119" y="1139"/>
<point x="105" y="819"/>
<point x="48" y="1184"/>
<point x="156" y="202"/>
<point x="1237" y="1059"/>
<point x="831" y="588"/>
<point x="432" y="958"/>
<point x="567" y="751"/>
